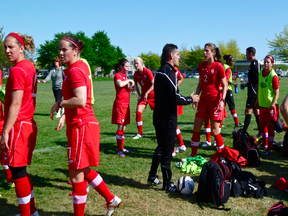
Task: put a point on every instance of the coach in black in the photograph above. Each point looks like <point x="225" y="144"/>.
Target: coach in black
<point x="167" y="98"/>
<point x="252" y="85"/>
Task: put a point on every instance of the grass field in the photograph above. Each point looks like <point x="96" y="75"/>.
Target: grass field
<point x="126" y="177"/>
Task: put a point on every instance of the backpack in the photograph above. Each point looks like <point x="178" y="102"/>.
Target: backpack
<point x="278" y="209"/>
<point x="214" y="186"/>
<point x="278" y="127"/>
<point x="239" y="182"/>
<point x="246" y="146"/>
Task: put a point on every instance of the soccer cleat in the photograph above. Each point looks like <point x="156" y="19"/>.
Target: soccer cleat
<point x="121" y="154"/>
<point x="137" y="136"/>
<point x="206" y="144"/>
<point x="58" y="115"/>
<point x="34" y="214"/>
<point x="126" y="150"/>
<point x="174" y="153"/>
<point x="170" y="188"/>
<point x="112" y="206"/>
<point x="154" y="181"/>
<point x="180" y="149"/>
<point x="266" y="153"/>
<point x="239" y="125"/>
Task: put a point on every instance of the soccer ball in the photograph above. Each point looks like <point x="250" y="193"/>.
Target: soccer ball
<point x="185" y="185"/>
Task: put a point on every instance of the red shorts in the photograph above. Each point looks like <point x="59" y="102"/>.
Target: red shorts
<point x="22" y="141"/>
<point x="179" y="110"/>
<point x="266" y="116"/>
<point x="83" y="145"/>
<point x="120" y="115"/>
<point x="209" y="110"/>
<point x="150" y="101"/>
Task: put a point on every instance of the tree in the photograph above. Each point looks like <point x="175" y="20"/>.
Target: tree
<point x="183" y="52"/>
<point x="279" y="46"/>
<point x="230" y="48"/>
<point x="4" y="62"/>
<point x="151" y="60"/>
<point x="194" y="57"/>
<point x="106" y="55"/>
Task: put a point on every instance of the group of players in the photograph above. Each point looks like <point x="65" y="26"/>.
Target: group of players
<point x="161" y="92"/>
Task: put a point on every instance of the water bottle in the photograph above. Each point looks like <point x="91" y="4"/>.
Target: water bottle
<point x="236" y="89"/>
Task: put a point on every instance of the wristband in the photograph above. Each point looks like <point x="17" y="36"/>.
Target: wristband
<point x="222" y="99"/>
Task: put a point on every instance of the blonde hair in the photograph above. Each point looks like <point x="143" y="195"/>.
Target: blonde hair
<point x="28" y="41"/>
<point x="139" y="59"/>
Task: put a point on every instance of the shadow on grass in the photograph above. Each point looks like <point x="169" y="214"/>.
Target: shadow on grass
<point x="42" y="114"/>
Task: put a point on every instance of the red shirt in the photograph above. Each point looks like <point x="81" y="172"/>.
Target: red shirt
<point x="211" y="80"/>
<point x="144" y="78"/>
<point x="228" y="73"/>
<point x="1" y="112"/>
<point x="122" y="93"/>
<point x="275" y="81"/>
<point x="178" y="73"/>
<point x="77" y="75"/>
<point x="22" y="77"/>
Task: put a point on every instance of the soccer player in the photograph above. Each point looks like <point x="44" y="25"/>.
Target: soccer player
<point x="19" y="107"/>
<point x="167" y="98"/>
<point x="252" y="85"/>
<point x="268" y="94"/>
<point x="121" y="109"/>
<point x="181" y="146"/>
<point x="144" y="77"/>
<point x="229" y="96"/>
<point x="212" y="100"/>
<point x="83" y="131"/>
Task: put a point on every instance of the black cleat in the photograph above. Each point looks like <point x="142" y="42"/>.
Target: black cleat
<point x="154" y="181"/>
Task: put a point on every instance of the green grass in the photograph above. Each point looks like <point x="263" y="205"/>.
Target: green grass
<point x="126" y="177"/>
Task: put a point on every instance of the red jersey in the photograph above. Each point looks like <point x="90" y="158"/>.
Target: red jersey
<point x="1" y="112"/>
<point x="77" y="75"/>
<point x="22" y="77"/>
<point x="122" y="93"/>
<point x="144" y="78"/>
<point x="178" y="73"/>
<point x="211" y="80"/>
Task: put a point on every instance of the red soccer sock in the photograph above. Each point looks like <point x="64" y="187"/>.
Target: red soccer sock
<point x="179" y="137"/>
<point x="139" y="122"/>
<point x="32" y="200"/>
<point x="8" y="174"/>
<point x="235" y="117"/>
<point x="79" y="196"/>
<point x="96" y="181"/>
<point x="123" y="140"/>
<point x="219" y="141"/>
<point x="23" y="193"/>
<point x="119" y="137"/>
<point x="207" y="130"/>
<point x="195" y="140"/>
<point x="264" y="134"/>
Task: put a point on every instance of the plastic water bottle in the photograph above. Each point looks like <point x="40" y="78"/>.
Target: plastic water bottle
<point x="236" y="89"/>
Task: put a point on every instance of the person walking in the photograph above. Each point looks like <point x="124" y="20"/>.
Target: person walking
<point x="57" y="76"/>
<point x="19" y="107"/>
<point x="83" y="131"/>
<point x="167" y="98"/>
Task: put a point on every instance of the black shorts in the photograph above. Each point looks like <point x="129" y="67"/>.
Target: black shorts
<point x="230" y="100"/>
<point x="250" y="103"/>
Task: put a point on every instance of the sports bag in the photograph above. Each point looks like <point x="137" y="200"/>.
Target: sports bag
<point x="246" y="147"/>
<point x="278" y="209"/>
<point x="239" y="182"/>
<point x="214" y="186"/>
<point x="285" y="144"/>
<point x="278" y="127"/>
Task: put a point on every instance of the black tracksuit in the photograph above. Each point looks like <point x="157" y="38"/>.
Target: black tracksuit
<point x="167" y="98"/>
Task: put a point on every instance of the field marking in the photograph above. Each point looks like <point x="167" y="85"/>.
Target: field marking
<point x="101" y="140"/>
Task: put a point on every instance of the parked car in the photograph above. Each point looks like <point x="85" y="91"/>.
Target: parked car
<point x="189" y="75"/>
<point x="130" y="76"/>
<point x="196" y="76"/>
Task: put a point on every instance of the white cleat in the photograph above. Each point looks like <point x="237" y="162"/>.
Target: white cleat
<point x="179" y="149"/>
<point x="137" y="136"/>
<point x="206" y="144"/>
<point x="112" y="206"/>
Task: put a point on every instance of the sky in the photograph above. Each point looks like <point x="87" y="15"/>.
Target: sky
<point x="143" y="26"/>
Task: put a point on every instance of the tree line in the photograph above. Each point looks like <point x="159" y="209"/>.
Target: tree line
<point x="99" y="51"/>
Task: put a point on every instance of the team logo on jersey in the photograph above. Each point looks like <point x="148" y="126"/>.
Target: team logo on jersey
<point x="70" y="161"/>
<point x="142" y="83"/>
<point x="263" y="85"/>
<point x="65" y="78"/>
<point x="144" y="76"/>
<point x="212" y="71"/>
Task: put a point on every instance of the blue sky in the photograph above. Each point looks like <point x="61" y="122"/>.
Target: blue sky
<point x="147" y="25"/>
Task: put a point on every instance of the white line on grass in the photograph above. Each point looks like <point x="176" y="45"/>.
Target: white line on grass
<point x="101" y="140"/>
